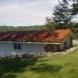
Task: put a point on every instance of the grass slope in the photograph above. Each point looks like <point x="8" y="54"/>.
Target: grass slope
<point x="58" y="66"/>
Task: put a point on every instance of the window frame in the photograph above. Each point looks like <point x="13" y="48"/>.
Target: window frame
<point x="65" y="45"/>
<point x="17" y="46"/>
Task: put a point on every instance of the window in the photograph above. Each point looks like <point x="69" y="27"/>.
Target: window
<point x="17" y="46"/>
<point x="65" y="45"/>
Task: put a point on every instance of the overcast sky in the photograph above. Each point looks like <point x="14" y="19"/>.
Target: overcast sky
<point x="25" y="12"/>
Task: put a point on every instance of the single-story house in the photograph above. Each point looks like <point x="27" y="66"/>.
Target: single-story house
<point x="20" y="42"/>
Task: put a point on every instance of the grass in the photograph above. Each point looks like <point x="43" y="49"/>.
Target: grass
<point x="57" y="66"/>
<point x="75" y="45"/>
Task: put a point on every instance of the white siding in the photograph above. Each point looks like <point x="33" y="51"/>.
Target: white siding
<point x="66" y="39"/>
<point x="75" y="41"/>
<point x="7" y="48"/>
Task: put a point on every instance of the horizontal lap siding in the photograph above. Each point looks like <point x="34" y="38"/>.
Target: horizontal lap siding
<point x="8" y="48"/>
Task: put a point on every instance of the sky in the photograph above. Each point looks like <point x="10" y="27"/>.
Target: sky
<point x="25" y="12"/>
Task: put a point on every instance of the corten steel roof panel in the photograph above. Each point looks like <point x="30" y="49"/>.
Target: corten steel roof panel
<point x="34" y="36"/>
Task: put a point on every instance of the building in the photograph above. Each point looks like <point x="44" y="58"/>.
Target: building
<point x="21" y="42"/>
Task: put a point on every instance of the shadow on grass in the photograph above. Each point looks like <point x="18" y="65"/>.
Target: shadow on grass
<point x="10" y="67"/>
<point x="46" y="68"/>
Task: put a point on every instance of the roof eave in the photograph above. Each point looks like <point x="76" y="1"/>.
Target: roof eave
<point x="32" y="42"/>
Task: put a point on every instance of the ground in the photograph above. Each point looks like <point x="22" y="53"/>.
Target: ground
<point x="56" y="66"/>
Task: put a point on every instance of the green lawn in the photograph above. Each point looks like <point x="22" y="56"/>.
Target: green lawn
<point x="57" y="66"/>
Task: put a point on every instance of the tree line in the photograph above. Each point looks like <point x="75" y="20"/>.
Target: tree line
<point x="23" y="28"/>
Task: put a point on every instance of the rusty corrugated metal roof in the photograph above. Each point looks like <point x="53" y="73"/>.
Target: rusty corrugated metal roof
<point x="34" y="36"/>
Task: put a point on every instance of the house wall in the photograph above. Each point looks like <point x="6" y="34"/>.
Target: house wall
<point x="7" y="48"/>
<point x="66" y="39"/>
<point x="75" y="41"/>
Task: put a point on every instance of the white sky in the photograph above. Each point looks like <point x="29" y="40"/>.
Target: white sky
<point x="25" y="12"/>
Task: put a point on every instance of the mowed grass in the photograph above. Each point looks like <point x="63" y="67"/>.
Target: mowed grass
<point x="57" y="66"/>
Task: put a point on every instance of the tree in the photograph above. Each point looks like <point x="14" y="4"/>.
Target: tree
<point x="50" y="24"/>
<point x="62" y="15"/>
<point x="74" y="7"/>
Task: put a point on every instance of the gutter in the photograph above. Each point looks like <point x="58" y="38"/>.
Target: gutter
<point x="29" y="42"/>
